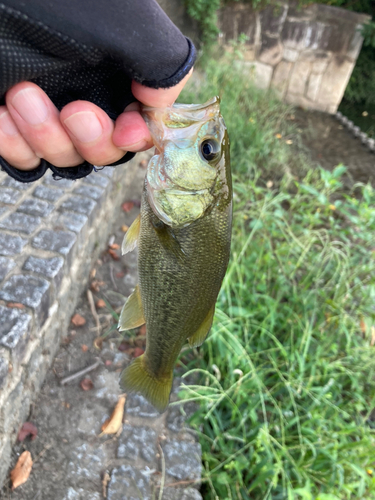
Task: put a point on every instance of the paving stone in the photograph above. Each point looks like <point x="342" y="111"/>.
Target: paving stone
<point x="5" y="454"/>
<point x="177" y="416"/>
<point x="46" y="193"/>
<point x="55" y="241"/>
<point x="12" y="183"/>
<point x="90" y="191"/>
<point x="79" y="205"/>
<point x="137" y="442"/>
<point x="137" y="405"/>
<point x="96" y="180"/>
<point x="3" y="210"/>
<point x="11" y="245"/>
<point x="9" y="196"/>
<point x="129" y="483"/>
<point x="14" y="326"/>
<point x="21" y="222"/>
<point x="179" y="494"/>
<point x="6" y="265"/>
<point x="86" y="461"/>
<point x="4" y="367"/>
<point x="81" y="494"/>
<point x="91" y="417"/>
<point x="30" y="291"/>
<point x="59" y="183"/>
<point x="108" y="171"/>
<point x="10" y="410"/>
<point x="183" y="459"/>
<point x="36" y="207"/>
<point x="73" y="222"/>
<point x="47" y="267"/>
<point x="107" y="386"/>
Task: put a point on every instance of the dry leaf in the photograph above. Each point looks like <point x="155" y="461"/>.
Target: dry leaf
<point x="124" y="228"/>
<point x="113" y="254"/>
<point x="78" y="320"/>
<point x="95" y="285"/>
<point x="93" y="273"/>
<point x="100" y="304"/>
<point x="15" y="305"/>
<point x="143" y="164"/>
<point x="84" y="347"/>
<point x="86" y="384"/>
<point x="127" y="206"/>
<point x="105" y="482"/>
<point x="98" y="343"/>
<point x="114" y="424"/>
<point x="114" y="246"/>
<point x="138" y="352"/>
<point x="21" y="472"/>
<point x="28" y="429"/>
<point x="278" y="136"/>
<point x="142" y="330"/>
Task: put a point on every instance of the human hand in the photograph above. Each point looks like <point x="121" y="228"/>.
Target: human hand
<point x="32" y="128"/>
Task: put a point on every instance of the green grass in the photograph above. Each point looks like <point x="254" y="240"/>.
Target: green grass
<point x="285" y="381"/>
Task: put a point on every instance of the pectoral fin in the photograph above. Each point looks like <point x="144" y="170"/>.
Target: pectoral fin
<point x="131" y="237"/>
<point x="132" y="313"/>
<point x="168" y="240"/>
<point x="200" y="335"/>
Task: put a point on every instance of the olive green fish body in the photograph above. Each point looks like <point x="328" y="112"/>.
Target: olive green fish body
<point x="183" y="236"/>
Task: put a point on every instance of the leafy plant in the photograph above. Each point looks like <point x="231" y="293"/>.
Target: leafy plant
<point x="285" y="381"/>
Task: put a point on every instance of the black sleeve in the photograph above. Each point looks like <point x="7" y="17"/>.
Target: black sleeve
<point x="90" y="49"/>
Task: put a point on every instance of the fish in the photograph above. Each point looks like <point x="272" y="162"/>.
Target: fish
<point x="183" y="234"/>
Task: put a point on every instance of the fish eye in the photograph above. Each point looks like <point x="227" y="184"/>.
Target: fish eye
<point x="210" y="149"/>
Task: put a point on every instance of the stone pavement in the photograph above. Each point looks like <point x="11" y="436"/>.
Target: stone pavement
<point x="46" y="255"/>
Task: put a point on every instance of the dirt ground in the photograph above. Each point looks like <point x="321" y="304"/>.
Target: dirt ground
<point x="328" y="143"/>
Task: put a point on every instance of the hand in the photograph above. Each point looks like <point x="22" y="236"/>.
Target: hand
<point x="32" y="128"/>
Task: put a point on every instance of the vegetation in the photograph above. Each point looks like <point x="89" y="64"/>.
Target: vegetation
<point x="285" y="380"/>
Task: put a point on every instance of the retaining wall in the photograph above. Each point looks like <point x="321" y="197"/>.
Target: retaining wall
<point x="306" y="54"/>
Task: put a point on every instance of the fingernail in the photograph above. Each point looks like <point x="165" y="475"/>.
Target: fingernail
<point x="30" y="106"/>
<point x="85" y="126"/>
<point x="7" y="125"/>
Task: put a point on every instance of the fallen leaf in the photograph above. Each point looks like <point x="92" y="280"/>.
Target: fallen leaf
<point x="127" y="206"/>
<point x="105" y="482"/>
<point x="289" y="142"/>
<point x="142" y="330"/>
<point x="108" y="362"/>
<point x="84" y="347"/>
<point x="28" y="429"/>
<point x="78" y="320"/>
<point x="86" y="384"/>
<point x="100" y="304"/>
<point x="98" y="343"/>
<point x="114" y="246"/>
<point x="278" y="136"/>
<point x="93" y="273"/>
<point x="124" y="228"/>
<point x="96" y="285"/>
<point x="143" y="164"/>
<point x="114" y="424"/>
<point x="138" y="352"/>
<point x="113" y="254"/>
<point x="21" y="472"/>
<point x="124" y="346"/>
<point x="15" y="305"/>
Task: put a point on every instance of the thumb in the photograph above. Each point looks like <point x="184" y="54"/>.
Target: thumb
<point x="159" y="98"/>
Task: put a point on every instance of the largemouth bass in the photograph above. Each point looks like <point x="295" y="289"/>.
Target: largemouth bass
<point x="183" y="234"/>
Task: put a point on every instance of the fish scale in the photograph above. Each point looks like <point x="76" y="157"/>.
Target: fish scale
<point x="183" y="236"/>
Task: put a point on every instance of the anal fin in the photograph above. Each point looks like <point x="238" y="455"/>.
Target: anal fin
<point x="200" y="335"/>
<point x="131" y="237"/>
<point x="132" y="314"/>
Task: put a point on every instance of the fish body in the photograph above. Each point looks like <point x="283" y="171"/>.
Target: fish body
<point x="183" y="237"/>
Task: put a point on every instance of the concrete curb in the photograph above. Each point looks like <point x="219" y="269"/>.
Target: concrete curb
<point x="356" y="131"/>
<point x="50" y="233"/>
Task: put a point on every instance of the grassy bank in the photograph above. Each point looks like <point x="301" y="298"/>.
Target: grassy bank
<point x="285" y="381"/>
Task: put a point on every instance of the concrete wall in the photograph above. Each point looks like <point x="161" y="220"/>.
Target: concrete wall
<point x="306" y="54"/>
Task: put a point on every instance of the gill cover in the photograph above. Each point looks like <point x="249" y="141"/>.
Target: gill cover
<point x="182" y="177"/>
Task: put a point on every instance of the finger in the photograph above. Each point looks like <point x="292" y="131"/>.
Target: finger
<point x="131" y="132"/>
<point x="159" y="98"/>
<point x="13" y="147"/>
<point x="37" y="119"/>
<point x="90" y="129"/>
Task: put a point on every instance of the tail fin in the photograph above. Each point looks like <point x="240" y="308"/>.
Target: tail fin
<point x="136" y="378"/>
